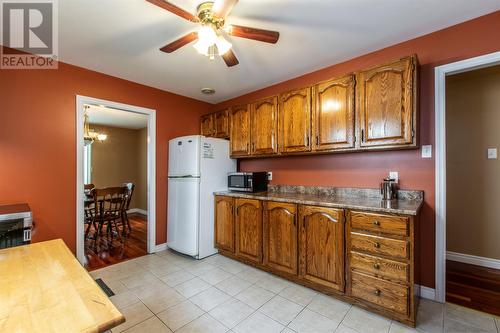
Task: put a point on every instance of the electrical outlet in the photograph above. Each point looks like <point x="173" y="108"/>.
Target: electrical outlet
<point x="394" y="175"/>
<point x="269" y="175"/>
<point x="426" y="151"/>
<point x="492" y="153"/>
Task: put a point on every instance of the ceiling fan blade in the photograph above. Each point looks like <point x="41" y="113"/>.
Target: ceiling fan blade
<point x="174" y="9"/>
<point x="230" y="59"/>
<point x="222" y="8"/>
<point x="169" y="48"/>
<point x="262" y="35"/>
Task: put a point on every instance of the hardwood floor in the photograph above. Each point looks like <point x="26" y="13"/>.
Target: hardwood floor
<point x="473" y="286"/>
<point x="105" y="252"/>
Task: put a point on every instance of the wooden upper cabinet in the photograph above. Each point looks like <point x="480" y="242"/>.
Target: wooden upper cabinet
<point x="264" y="126"/>
<point x="224" y="223"/>
<point x="333" y="114"/>
<point x="295" y="121"/>
<point x="222" y="124"/>
<point x="280" y="236"/>
<point x="321" y="243"/>
<point x="386" y="105"/>
<point x="207" y="125"/>
<point x="240" y="131"/>
<point x="249" y="229"/>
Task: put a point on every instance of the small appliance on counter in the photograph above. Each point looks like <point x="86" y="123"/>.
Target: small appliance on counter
<point x="16" y="223"/>
<point x="388" y="189"/>
<point x="247" y="181"/>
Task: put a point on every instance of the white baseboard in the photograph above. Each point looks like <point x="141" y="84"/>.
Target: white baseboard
<point x="473" y="260"/>
<point x="426" y="292"/>
<point x="137" y="210"/>
<point x="161" y="247"/>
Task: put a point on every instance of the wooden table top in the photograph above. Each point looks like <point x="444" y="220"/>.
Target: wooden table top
<point x="43" y="288"/>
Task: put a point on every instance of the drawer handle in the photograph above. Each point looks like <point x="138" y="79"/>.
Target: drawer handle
<point x="377" y="223"/>
<point x="377" y="245"/>
<point x="377" y="292"/>
<point x="376" y="266"/>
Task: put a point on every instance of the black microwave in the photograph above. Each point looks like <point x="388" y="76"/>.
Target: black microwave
<point x="247" y="181"/>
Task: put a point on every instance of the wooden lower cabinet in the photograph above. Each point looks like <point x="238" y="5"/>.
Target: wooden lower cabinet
<point x="381" y="263"/>
<point x="248" y="218"/>
<point x="224" y="223"/>
<point x="338" y="252"/>
<point x="280" y="236"/>
<point x="321" y="239"/>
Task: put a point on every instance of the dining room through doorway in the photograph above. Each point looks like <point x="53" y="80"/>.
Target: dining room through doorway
<point x="116" y="194"/>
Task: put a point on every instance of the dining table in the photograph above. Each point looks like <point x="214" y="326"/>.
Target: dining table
<point x="43" y="288"/>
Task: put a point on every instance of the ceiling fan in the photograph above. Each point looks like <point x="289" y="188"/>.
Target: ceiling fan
<point x="210" y="41"/>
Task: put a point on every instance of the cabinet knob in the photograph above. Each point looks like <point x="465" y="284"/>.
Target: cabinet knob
<point x="377" y="223"/>
<point x="376" y="266"/>
<point x="377" y="292"/>
<point x="377" y="245"/>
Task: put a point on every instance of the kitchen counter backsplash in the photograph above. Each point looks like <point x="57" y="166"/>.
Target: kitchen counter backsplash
<point x="343" y="191"/>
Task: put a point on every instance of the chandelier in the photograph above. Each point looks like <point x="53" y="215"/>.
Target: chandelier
<point x="89" y="135"/>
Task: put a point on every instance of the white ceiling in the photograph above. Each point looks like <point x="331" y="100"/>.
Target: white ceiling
<point x="100" y="115"/>
<point x="122" y="38"/>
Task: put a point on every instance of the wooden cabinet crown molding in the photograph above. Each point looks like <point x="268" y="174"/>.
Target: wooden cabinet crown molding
<point x="333" y="114"/>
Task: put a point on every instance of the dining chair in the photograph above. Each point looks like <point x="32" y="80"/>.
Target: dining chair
<point x="90" y="218"/>
<point x="130" y="188"/>
<point x="108" y="207"/>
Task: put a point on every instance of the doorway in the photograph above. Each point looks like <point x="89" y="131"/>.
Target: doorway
<point x="120" y="154"/>
<point x="461" y="148"/>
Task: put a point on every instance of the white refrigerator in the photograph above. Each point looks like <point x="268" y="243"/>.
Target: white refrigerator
<point x="197" y="167"/>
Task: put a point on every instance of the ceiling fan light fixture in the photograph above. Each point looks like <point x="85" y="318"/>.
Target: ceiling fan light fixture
<point x="201" y="47"/>
<point x="223" y="46"/>
<point x="207" y="35"/>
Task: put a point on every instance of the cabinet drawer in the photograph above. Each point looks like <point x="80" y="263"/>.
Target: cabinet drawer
<point x="392" y="296"/>
<point x="379" y="245"/>
<point x="387" y="224"/>
<point x="382" y="267"/>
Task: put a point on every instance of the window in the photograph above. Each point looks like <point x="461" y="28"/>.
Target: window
<point x="87" y="164"/>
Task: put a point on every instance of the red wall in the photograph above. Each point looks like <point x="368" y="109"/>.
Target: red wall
<point x="37" y="140"/>
<point x="469" y="39"/>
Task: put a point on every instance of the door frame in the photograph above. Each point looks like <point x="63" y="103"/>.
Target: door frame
<point x="151" y="177"/>
<point x="440" y="73"/>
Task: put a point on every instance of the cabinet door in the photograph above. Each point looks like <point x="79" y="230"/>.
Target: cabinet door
<point x="224" y="223"/>
<point x="222" y="124"/>
<point x="295" y="121"/>
<point x="207" y="125"/>
<point x="322" y="246"/>
<point x="249" y="229"/>
<point x="280" y="237"/>
<point x="333" y="114"/>
<point x="240" y="131"/>
<point x="387" y="104"/>
<point x="264" y="126"/>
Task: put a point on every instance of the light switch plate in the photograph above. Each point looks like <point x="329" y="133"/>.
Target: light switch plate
<point x="427" y="151"/>
<point x="270" y="175"/>
<point x="394" y="175"/>
<point x="492" y="153"/>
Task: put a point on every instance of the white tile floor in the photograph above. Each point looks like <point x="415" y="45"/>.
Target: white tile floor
<point x="166" y="292"/>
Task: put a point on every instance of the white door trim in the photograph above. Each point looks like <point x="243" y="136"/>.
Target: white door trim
<point x="80" y="101"/>
<point x="440" y="73"/>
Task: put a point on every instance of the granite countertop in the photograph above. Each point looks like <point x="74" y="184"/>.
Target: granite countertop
<point x="407" y="202"/>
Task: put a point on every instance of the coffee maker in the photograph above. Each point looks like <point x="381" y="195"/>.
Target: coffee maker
<point x="388" y="189"/>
